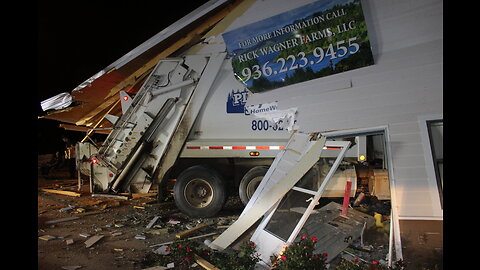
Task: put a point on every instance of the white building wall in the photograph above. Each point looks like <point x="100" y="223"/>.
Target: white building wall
<point x="405" y="83"/>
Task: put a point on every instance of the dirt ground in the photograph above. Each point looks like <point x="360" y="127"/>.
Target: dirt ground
<point x="120" y="222"/>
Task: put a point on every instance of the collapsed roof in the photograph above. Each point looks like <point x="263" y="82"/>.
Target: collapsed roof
<point x="98" y="96"/>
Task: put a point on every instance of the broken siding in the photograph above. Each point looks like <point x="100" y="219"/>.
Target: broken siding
<point x="395" y="97"/>
<point x="405" y="82"/>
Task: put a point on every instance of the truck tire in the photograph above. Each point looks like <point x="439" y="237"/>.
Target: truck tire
<point x="200" y="191"/>
<point x="250" y="182"/>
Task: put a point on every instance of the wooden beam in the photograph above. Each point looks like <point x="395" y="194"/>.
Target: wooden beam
<point x="204" y="263"/>
<point x="68" y="193"/>
<point x="55" y="221"/>
<point x="192" y="230"/>
<point x="82" y="128"/>
<point x="92" y="240"/>
<point x="139" y="195"/>
<point x="99" y="121"/>
<point x="190" y="238"/>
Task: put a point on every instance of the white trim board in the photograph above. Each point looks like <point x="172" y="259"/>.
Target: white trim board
<point x="295" y="160"/>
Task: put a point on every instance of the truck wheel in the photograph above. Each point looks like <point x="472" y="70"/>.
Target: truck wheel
<point x="250" y="182"/>
<point x="199" y="192"/>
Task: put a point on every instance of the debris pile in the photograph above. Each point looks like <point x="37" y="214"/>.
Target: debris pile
<point x="88" y="230"/>
<point x="126" y="229"/>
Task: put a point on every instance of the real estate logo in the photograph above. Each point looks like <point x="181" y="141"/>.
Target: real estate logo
<point x="236" y="101"/>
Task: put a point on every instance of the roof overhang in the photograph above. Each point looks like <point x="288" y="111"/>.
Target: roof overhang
<point x="98" y="95"/>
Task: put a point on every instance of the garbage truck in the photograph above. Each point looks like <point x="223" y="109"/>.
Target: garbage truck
<point x="189" y="126"/>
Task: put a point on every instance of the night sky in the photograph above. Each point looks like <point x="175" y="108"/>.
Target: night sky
<point x="76" y="39"/>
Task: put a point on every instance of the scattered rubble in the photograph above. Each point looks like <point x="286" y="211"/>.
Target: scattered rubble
<point x="103" y="232"/>
<point x="117" y="235"/>
<point x="140" y="237"/>
<point x="63" y="192"/>
<point x="47" y="237"/>
<point x="61" y="220"/>
<point x="93" y="240"/>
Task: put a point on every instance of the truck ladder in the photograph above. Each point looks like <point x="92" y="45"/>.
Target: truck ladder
<point x="147" y="139"/>
<point x="148" y="124"/>
<point x="169" y="142"/>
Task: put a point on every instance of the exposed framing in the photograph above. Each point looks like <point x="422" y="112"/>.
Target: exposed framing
<point x="300" y="154"/>
<point x="394" y="224"/>
<point x="262" y="236"/>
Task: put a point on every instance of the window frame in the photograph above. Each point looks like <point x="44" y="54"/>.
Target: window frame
<point x="436" y="161"/>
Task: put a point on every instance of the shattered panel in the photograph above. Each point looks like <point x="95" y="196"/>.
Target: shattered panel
<point x="333" y="231"/>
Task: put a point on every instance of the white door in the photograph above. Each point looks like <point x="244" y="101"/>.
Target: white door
<point x="284" y="220"/>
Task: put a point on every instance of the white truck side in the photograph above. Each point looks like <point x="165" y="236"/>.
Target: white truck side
<point x="189" y="122"/>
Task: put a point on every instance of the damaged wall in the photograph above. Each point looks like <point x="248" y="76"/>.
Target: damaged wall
<point x="404" y="83"/>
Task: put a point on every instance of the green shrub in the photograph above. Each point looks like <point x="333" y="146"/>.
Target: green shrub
<point x="244" y="259"/>
<point x="357" y="264"/>
<point x="300" y="256"/>
<point x="181" y="253"/>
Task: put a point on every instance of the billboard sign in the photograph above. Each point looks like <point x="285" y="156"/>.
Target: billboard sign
<point x="316" y="40"/>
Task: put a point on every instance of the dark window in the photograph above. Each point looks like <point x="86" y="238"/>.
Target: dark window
<point x="435" y="134"/>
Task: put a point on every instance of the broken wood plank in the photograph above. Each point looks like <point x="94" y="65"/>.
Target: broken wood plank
<point x="93" y="240"/>
<point x="47" y="237"/>
<point x="150" y="224"/>
<point x="192" y="230"/>
<point x="61" y="220"/>
<point x="110" y="196"/>
<point x="62" y="192"/>
<point x="190" y="238"/>
<point x="204" y="263"/>
<point x="139" y="195"/>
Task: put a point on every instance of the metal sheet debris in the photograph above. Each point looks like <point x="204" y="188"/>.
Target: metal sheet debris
<point x="57" y="102"/>
<point x="300" y="154"/>
<point x="93" y="240"/>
